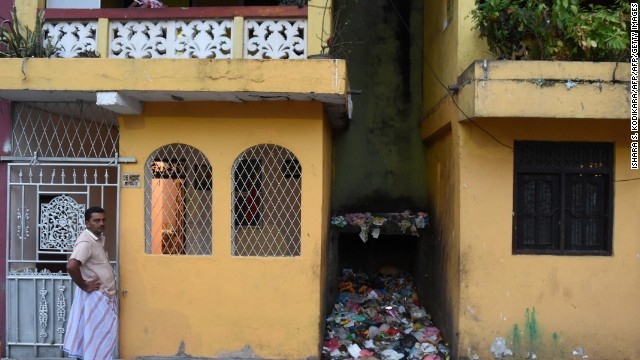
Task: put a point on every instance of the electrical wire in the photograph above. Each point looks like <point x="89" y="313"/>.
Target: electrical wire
<point x="433" y="72"/>
<point x="622" y="180"/>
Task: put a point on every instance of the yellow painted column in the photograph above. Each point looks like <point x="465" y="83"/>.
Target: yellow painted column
<point x="102" y="38"/>
<point x="237" y="45"/>
<point x="319" y="25"/>
<point x="27" y="11"/>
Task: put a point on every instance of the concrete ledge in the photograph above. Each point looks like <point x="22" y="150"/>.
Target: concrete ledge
<point x="174" y="80"/>
<point x="119" y="103"/>
<point x="536" y="89"/>
<point x="323" y="80"/>
<point x="545" y="89"/>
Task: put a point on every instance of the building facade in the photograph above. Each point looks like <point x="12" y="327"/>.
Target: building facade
<point x="533" y="199"/>
<point x="205" y="133"/>
<point x="220" y="172"/>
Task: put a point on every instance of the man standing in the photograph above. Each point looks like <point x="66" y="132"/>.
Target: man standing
<point x="93" y="322"/>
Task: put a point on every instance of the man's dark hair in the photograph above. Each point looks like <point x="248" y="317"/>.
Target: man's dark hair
<point x="92" y="210"/>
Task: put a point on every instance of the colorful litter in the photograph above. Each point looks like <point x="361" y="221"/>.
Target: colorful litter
<point x="381" y="318"/>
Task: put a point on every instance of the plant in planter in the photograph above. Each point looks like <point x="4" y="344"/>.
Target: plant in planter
<point x="554" y="29"/>
<point x="598" y="33"/>
<point x="507" y="24"/>
<point x="18" y="41"/>
<point x="333" y="45"/>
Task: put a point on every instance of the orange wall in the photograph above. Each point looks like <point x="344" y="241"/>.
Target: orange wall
<point x="216" y="305"/>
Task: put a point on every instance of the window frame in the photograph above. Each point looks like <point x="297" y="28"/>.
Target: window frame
<point x="280" y="185"/>
<point x="564" y="175"/>
<point x="191" y="167"/>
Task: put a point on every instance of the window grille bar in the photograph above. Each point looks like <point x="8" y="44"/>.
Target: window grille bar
<point x="178" y="202"/>
<point x="84" y="161"/>
<point x="62" y="131"/>
<point x="266" y="202"/>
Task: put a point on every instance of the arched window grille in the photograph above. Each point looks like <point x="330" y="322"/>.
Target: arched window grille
<point x="266" y="201"/>
<point x="178" y="201"/>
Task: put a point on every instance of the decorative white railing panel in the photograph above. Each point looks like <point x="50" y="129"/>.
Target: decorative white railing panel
<point x="61" y="222"/>
<point x="134" y="39"/>
<point x="73" y="38"/>
<point x="198" y="38"/>
<point x="171" y="39"/>
<point x="204" y="39"/>
<point x="269" y="39"/>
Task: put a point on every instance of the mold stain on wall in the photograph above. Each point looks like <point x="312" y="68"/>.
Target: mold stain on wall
<point x="526" y="339"/>
<point x="531" y="330"/>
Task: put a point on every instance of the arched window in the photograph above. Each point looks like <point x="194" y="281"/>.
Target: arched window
<point x="266" y="200"/>
<point x="178" y="201"/>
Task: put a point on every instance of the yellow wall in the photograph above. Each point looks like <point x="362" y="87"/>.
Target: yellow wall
<point x="549" y="305"/>
<point x="319" y="25"/>
<point x="439" y="57"/>
<point x="443" y="297"/>
<point x="219" y="303"/>
<point x="448" y="49"/>
<point x="579" y="301"/>
<point x="327" y="173"/>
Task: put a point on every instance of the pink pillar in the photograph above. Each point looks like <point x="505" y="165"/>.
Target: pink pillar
<point x="5" y="8"/>
<point x="5" y="138"/>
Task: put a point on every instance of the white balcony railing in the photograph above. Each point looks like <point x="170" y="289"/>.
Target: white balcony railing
<point x="171" y="39"/>
<point x="184" y="37"/>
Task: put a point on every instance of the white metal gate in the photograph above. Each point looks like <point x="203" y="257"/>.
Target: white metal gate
<point x="46" y="207"/>
<point x="64" y="160"/>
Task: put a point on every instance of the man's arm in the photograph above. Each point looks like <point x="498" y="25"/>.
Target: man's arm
<point x="73" y="268"/>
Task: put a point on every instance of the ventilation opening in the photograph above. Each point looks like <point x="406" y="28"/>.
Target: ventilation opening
<point x="389" y="253"/>
<point x="395" y="322"/>
<point x="386" y="253"/>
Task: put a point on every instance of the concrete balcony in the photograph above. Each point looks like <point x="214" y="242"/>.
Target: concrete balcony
<point x="535" y="89"/>
<point x="121" y="58"/>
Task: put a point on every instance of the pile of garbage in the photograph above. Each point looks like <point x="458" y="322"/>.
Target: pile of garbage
<point x="381" y="318"/>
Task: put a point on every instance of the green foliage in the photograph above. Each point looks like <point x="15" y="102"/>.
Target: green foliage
<point x="506" y="24"/>
<point x="554" y="29"/>
<point x="601" y="33"/>
<point x="19" y="41"/>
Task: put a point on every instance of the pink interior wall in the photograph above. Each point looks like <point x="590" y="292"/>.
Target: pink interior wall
<point x="5" y="131"/>
<point x="5" y="7"/>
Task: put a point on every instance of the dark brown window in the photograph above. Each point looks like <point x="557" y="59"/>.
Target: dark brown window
<point x="563" y="198"/>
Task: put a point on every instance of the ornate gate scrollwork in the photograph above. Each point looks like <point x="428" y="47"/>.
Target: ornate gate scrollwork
<point x="61" y="222"/>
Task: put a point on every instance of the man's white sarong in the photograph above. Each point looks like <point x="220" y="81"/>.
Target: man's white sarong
<point x="93" y="326"/>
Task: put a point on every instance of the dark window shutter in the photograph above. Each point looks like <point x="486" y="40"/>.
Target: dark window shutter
<point x="563" y="197"/>
<point x="537" y="215"/>
<point x="586" y="212"/>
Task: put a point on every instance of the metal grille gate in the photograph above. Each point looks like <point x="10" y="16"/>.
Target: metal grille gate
<point x="46" y="202"/>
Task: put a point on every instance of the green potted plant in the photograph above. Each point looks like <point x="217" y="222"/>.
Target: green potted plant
<point x="18" y="41"/>
<point x="554" y="29"/>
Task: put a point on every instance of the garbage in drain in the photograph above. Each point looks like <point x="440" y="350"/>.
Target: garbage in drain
<point x="381" y="318"/>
